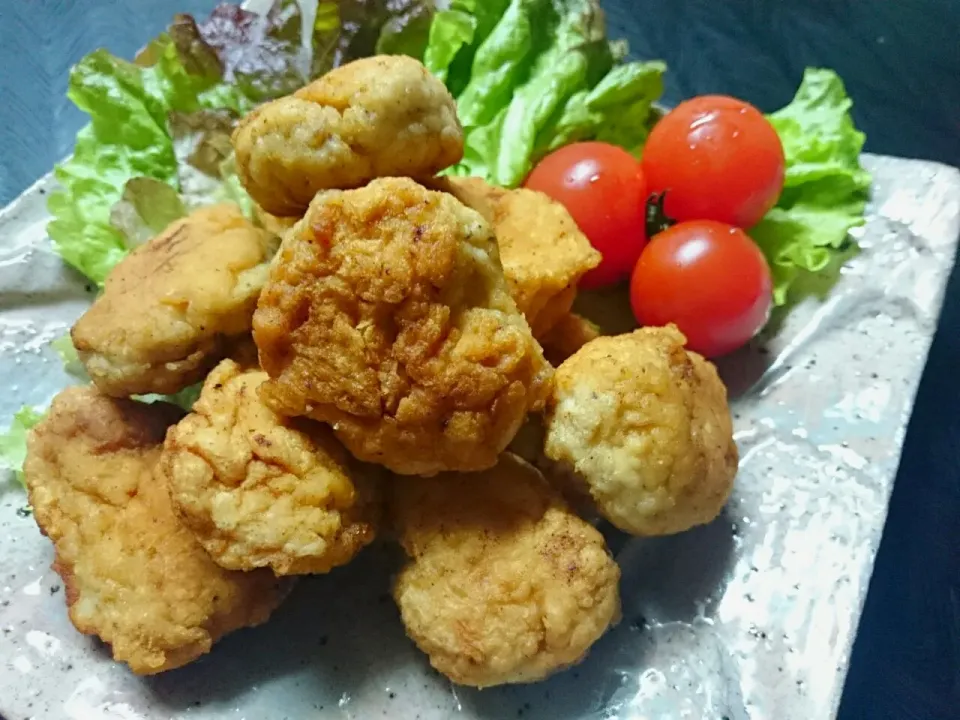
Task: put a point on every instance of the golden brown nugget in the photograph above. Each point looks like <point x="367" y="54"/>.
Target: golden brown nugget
<point x="171" y="308"/>
<point x="261" y="490"/>
<point x="504" y="583"/>
<point x="376" y="117"/>
<point x="645" y="424"/>
<point x="543" y="252"/>
<point x="387" y="316"/>
<point x="133" y="575"/>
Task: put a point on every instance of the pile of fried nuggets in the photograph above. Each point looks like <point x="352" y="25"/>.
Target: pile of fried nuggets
<point x="368" y="375"/>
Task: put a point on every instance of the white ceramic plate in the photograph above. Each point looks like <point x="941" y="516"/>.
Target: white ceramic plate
<point x="752" y="616"/>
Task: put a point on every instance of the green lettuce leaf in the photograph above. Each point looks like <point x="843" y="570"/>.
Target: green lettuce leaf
<point x="541" y="75"/>
<point x="63" y="347"/>
<point x="450" y="31"/>
<point x="486" y="14"/>
<point x="557" y="73"/>
<point x="618" y="110"/>
<point x="501" y="62"/>
<point x="67" y="353"/>
<point x="825" y="191"/>
<point x="145" y="208"/>
<point x="13" y="443"/>
<point x="127" y="137"/>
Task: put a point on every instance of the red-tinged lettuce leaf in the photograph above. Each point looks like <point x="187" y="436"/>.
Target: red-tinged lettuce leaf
<point x="206" y="169"/>
<point x="263" y="55"/>
<point x="394" y="27"/>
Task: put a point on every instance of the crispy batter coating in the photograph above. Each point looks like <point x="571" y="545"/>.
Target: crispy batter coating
<point x="505" y="584"/>
<point x="260" y="490"/>
<point x="375" y="117"/>
<point x="646" y="426"/>
<point x="387" y="316"/>
<point x="133" y="575"/>
<point x="544" y="254"/>
<point x="565" y="338"/>
<point x="170" y="307"/>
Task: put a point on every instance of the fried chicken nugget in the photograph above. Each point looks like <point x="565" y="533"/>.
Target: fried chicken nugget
<point x="645" y="424"/>
<point x="387" y="316"/>
<point x="375" y="117"/>
<point x="543" y="252"/>
<point x="504" y="584"/>
<point x="133" y="575"/>
<point x="170" y="308"/>
<point x="260" y="490"/>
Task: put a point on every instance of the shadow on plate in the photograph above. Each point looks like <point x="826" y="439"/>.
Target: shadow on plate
<point x="333" y="632"/>
<point x="671" y="581"/>
<point x="742" y="370"/>
<point x="609" y="308"/>
<point x="339" y="639"/>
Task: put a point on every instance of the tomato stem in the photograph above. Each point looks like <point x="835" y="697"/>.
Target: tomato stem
<point x="657" y="218"/>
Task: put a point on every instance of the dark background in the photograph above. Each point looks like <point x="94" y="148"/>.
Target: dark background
<point x="900" y="60"/>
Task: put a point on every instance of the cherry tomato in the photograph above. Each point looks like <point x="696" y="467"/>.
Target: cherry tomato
<point x="717" y="158"/>
<point x="602" y="187"/>
<point x="707" y="278"/>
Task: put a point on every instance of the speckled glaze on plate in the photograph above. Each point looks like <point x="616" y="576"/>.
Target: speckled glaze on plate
<point x="752" y="616"/>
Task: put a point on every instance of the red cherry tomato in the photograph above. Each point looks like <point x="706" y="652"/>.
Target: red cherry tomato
<point x="717" y="158"/>
<point x="602" y="187"/>
<point x="707" y="278"/>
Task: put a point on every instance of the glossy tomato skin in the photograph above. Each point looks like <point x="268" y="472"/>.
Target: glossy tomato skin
<point x="717" y="158"/>
<point x="602" y="187"/>
<point x="707" y="278"/>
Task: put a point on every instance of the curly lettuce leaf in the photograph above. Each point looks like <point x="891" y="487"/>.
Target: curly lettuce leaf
<point x="450" y="52"/>
<point x="128" y="137"/>
<point x="825" y="191"/>
<point x="618" y="110"/>
<point x="501" y="62"/>
<point x="450" y="32"/>
<point x="555" y="75"/>
<point x="542" y="75"/>
<point x="13" y="443"/>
